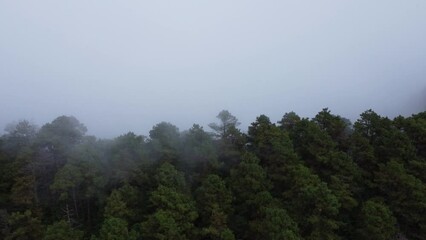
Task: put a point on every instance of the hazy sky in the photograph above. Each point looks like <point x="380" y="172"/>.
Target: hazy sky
<point x="121" y="66"/>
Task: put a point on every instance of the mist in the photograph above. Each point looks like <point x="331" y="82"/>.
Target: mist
<point x="126" y="66"/>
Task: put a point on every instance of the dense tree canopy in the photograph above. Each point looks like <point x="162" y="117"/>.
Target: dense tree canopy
<point x="298" y="178"/>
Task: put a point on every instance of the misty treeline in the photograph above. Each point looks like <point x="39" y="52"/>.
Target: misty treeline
<point x="300" y="178"/>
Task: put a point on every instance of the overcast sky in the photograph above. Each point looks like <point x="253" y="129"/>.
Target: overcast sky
<point x="121" y="66"/>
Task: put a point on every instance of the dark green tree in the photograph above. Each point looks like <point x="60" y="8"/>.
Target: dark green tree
<point x="414" y="127"/>
<point x="300" y="179"/>
<point x="338" y="128"/>
<point x="24" y="225"/>
<point x="59" y="136"/>
<point x="18" y="177"/>
<point x="247" y="180"/>
<point x="198" y="153"/>
<point x="164" y="142"/>
<point x="19" y="136"/>
<point x="312" y="204"/>
<point x="168" y="176"/>
<point x="406" y="197"/>
<point x="229" y="140"/>
<point x="54" y="145"/>
<point x="227" y="127"/>
<point x="79" y="183"/>
<point x="127" y="154"/>
<point x="288" y="121"/>
<point x="62" y="230"/>
<point x="271" y="220"/>
<point x="114" y="229"/>
<point x="136" y="202"/>
<point x="214" y="201"/>
<point x="116" y="206"/>
<point x="174" y="210"/>
<point x="388" y="142"/>
<point x="320" y="153"/>
<point x="274" y="149"/>
<point x="376" y="221"/>
<point x="7" y="172"/>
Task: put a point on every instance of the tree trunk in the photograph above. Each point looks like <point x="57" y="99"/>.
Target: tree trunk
<point x="75" y="202"/>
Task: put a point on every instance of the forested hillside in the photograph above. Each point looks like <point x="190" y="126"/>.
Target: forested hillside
<point x="320" y="178"/>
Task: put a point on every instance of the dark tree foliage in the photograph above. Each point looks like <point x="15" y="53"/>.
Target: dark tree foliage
<point x="300" y="178"/>
<point x="174" y="211"/>
<point x="376" y="221"/>
<point x="229" y="140"/>
<point x="247" y="180"/>
<point x="227" y="127"/>
<point x="127" y="153"/>
<point x="214" y="203"/>
<point x="336" y="127"/>
<point x="198" y="154"/>
<point x="273" y="147"/>
<point x="62" y="230"/>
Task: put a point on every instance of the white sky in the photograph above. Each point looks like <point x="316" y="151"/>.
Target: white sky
<point x="121" y="66"/>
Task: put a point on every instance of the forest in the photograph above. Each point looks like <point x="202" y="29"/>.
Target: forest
<point x="317" y="178"/>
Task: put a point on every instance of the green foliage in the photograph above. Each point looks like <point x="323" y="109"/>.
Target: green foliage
<point x="273" y="147"/>
<point x="269" y="219"/>
<point x="168" y="176"/>
<point x="212" y="194"/>
<point x="310" y="141"/>
<point x="406" y="197"/>
<point x="248" y="178"/>
<point x="19" y="136"/>
<point x="198" y="153"/>
<point x="376" y="221"/>
<point x="227" y="126"/>
<point x="22" y="192"/>
<point x="175" y="211"/>
<point x="289" y="121"/>
<point x="229" y="140"/>
<point x="312" y="204"/>
<point x="114" y="229"/>
<point x="170" y="199"/>
<point x="61" y="135"/>
<point x="321" y="143"/>
<point x="83" y="178"/>
<point x="177" y="204"/>
<point x="336" y="127"/>
<point x="164" y="141"/>
<point x="162" y="225"/>
<point x="174" y="215"/>
<point x="67" y="180"/>
<point x="135" y="201"/>
<point x="274" y="223"/>
<point x="218" y="228"/>
<point x="116" y="207"/>
<point x="127" y="153"/>
<point x="24" y="225"/>
<point x="303" y="178"/>
<point x="6" y="177"/>
<point x="383" y="135"/>
<point x="79" y="181"/>
<point x="415" y="128"/>
<point x="62" y="230"/>
<point x="214" y="201"/>
<point x="247" y="181"/>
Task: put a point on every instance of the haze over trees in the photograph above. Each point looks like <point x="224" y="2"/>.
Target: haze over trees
<point x="299" y="178"/>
